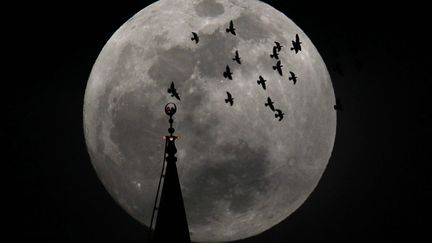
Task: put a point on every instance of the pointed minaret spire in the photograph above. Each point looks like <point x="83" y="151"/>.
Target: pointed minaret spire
<point x="171" y="223"/>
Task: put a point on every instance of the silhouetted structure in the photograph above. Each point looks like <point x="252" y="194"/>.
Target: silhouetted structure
<point x="171" y="223"/>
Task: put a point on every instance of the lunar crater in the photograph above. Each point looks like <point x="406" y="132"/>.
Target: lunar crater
<point x="232" y="179"/>
<point x="209" y="8"/>
<point x="251" y="29"/>
<point x="173" y="65"/>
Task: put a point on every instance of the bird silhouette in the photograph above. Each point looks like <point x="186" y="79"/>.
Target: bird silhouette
<point x="296" y="45"/>
<point x="230" y="99"/>
<point x="262" y="82"/>
<point x="279" y="114"/>
<point x="231" y="28"/>
<point x="293" y="78"/>
<point x="228" y="74"/>
<point x="278" y="46"/>
<point x="237" y="58"/>
<point x="275" y="53"/>
<point x="195" y="37"/>
<point x="270" y="104"/>
<point x="172" y="90"/>
<point x="278" y="67"/>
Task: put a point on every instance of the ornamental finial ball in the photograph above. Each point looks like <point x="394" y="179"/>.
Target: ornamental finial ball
<point x="170" y="109"/>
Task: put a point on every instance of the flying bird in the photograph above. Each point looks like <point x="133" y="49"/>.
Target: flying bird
<point x="230" y="99"/>
<point x="231" y="28"/>
<point x="195" y="37"/>
<point x="270" y="104"/>
<point x="275" y="53"/>
<point x="279" y="114"/>
<point x="278" y="67"/>
<point x="293" y="77"/>
<point x="228" y="73"/>
<point x="172" y="90"/>
<point x="237" y="58"/>
<point x="262" y="82"/>
<point x="338" y="105"/>
<point x="278" y="46"/>
<point x="296" y="45"/>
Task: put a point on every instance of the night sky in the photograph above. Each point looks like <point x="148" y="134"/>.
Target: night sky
<point x="377" y="186"/>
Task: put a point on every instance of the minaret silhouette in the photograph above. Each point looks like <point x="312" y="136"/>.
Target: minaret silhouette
<point x="171" y="223"/>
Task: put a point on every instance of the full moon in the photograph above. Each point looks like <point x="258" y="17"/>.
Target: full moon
<point x="241" y="170"/>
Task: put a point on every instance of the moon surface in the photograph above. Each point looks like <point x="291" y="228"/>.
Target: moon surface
<point x="241" y="170"/>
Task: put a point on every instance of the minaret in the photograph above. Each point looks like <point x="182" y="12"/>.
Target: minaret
<point x="171" y="223"/>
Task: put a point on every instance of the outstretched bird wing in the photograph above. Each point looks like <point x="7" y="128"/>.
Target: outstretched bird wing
<point x="231" y="28"/>
<point x="275" y="54"/>
<point x="279" y="67"/>
<point x="237" y="57"/>
<point x="279" y="114"/>
<point x="278" y="46"/>
<point x="176" y="95"/>
<point x="270" y="104"/>
<point x="230" y="99"/>
<point x="171" y="89"/>
<point x="195" y="37"/>
<point x="262" y="82"/>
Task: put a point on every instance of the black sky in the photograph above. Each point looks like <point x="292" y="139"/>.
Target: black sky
<point x="377" y="187"/>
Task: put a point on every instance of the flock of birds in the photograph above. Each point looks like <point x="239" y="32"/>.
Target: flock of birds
<point x="228" y="74"/>
<point x="262" y="82"/>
